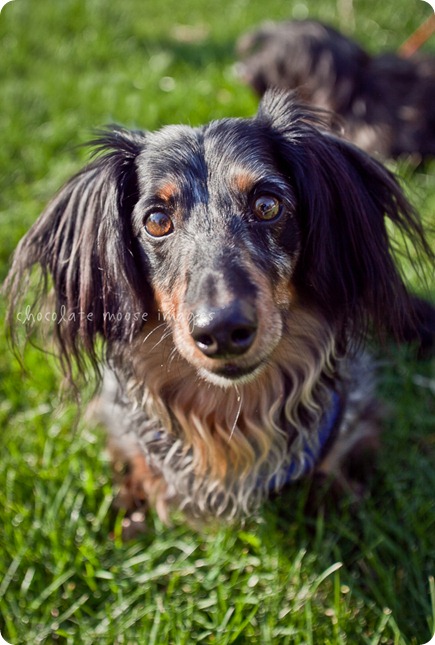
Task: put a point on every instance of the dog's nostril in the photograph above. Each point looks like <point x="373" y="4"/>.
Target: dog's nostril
<point x="206" y="343"/>
<point x="204" y="340"/>
<point x="242" y="336"/>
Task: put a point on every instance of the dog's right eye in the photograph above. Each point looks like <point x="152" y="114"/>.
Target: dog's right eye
<point x="158" y="224"/>
<point x="267" y="208"/>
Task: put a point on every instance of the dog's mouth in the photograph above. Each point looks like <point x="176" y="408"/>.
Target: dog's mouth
<point x="234" y="371"/>
<point x="231" y="373"/>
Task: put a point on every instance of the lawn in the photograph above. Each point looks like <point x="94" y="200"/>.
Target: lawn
<point x="356" y="576"/>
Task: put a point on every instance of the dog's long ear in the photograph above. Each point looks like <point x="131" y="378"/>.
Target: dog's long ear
<point x="84" y="246"/>
<point x="344" y="199"/>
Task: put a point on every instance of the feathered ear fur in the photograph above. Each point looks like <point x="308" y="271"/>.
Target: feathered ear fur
<point x="344" y="197"/>
<point x="84" y="245"/>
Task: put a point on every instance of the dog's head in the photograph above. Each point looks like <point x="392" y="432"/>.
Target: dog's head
<point x="221" y="232"/>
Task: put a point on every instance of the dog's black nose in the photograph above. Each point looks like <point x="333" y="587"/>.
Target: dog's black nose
<point x="225" y="332"/>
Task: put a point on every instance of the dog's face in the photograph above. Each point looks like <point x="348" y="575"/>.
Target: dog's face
<point x="220" y="233"/>
<point x="217" y="230"/>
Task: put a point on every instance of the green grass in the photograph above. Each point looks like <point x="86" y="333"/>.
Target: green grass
<point x="356" y="576"/>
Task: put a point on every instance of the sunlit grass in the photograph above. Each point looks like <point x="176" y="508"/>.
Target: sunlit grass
<point x="360" y="575"/>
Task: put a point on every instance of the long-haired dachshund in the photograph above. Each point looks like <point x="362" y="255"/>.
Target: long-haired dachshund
<point x="386" y="103"/>
<point x="232" y="273"/>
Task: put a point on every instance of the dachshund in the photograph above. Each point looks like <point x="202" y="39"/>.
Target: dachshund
<point x="385" y="103"/>
<point x="223" y="281"/>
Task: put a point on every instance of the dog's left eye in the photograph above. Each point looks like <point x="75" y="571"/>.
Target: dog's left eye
<point x="158" y="224"/>
<point x="267" y="207"/>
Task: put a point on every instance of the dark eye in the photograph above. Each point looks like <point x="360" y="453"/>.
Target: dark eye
<point x="267" y="207"/>
<point x="158" y="224"/>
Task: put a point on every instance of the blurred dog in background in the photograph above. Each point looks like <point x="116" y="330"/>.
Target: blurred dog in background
<point x="386" y="103"/>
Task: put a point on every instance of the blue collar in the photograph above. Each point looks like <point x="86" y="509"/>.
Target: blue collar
<point x="311" y="455"/>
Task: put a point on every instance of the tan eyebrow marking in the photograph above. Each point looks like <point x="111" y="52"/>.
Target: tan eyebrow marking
<point x="168" y="191"/>
<point x="244" y="181"/>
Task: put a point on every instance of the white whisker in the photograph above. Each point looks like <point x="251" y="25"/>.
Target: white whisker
<point x="233" y="427"/>
<point x="164" y="336"/>
<point x="152" y="332"/>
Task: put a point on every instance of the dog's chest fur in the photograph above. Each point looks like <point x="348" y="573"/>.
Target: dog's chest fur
<point x="219" y="453"/>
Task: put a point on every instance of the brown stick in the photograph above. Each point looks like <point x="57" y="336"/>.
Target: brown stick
<point x="418" y="38"/>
